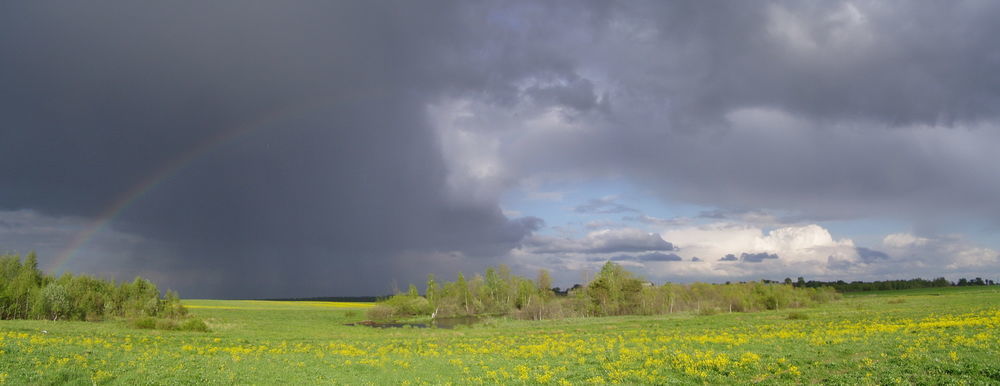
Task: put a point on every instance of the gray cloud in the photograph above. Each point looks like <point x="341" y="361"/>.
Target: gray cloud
<point x="832" y="111"/>
<point x="714" y="214"/>
<point x="659" y="257"/>
<point x="648" y="257"/>
<point x="756" y="257"/>
<point x="577" y="93"/>
<point x="818" y="111"/>
<point x="340" y="177"/>
<point x="849" y="56"/>
<point x="601" y="242"/>
<point x="871" y="255"/>
<point x="729" y="257"/>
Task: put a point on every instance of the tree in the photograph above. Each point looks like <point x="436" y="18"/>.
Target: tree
<point x="31" y="265"/>
<point x="525" y="291"/>
<point x="433" y="290"/>
<point x="614" y="291"/>
<point x="496" y="297"/>
<point x="26" y="292"/>
<point x="544" y="283"/>
<point x="463" y="294"/>
<point x="21" y="291"/>
<point x="56" y="300"/>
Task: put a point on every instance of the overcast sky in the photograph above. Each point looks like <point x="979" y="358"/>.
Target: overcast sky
<point x="269" y="149"/>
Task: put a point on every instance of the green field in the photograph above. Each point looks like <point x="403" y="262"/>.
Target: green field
<point x="949" y="335"/>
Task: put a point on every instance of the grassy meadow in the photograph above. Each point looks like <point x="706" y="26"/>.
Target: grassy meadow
<point x="941" y="335"/>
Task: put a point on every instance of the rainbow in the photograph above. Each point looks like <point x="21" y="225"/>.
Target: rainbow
<point x="169" y="169"/>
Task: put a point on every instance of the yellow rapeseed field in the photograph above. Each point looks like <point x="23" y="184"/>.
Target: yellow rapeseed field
<point x="858" y="340"/>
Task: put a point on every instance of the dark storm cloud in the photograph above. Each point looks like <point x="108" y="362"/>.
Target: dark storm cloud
<point x="342" y="176"/>
<point x="729" y="257"/>
<point x="893" y="62"/>
<point x="819" y="110"/>
<point x="756" y="257"/>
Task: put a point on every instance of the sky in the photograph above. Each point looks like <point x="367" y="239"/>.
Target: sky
<point x="251" y="149"/>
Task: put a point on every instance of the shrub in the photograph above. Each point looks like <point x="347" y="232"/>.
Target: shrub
<point x="166" y="324"/>
<point x="93" y="317"/>
<point x="409" y="305"/>
<point x="541" y="308"/>
<point x="381" y="312"/>
<point x="797" y="316"/>
<point x="401" y="305"/>
<point x="144" y="323"/>
<point x="194" y="325"/>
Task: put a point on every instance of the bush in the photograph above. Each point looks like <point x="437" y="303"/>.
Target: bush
<point x="399" y="306"/>
<point x="381" y="312"/>
<point x="93" y="317"/>
<point x="797" y="316"/>
<point x="541" y="308"/>
<point x="144" y="323"/>
<point x="409" y="305"/>
<point x="150" y="323"/>
<point x="166" y="324"/>
<point x="194" y="325"/>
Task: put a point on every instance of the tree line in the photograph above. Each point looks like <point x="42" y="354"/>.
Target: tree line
<point x="613" y="291"/>
<point x="886" y="285"/>
<point x="28" y="293"/>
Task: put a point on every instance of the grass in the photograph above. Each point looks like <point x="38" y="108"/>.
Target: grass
<point x="949" y="335"/>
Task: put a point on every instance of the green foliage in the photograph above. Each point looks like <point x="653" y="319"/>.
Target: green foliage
<point x="795" y="315"/>
<point x="194" y="324"/>
<point x="166" y="324"/>
<point x="613" y="291"/>
<point x="889" y="285"/>
<point x="55" y="301"/>
<point x="938" y="336"/>
<point x="401" y="305"/>
<point x="28" y="293"/>
<point x="144" y="323"/>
